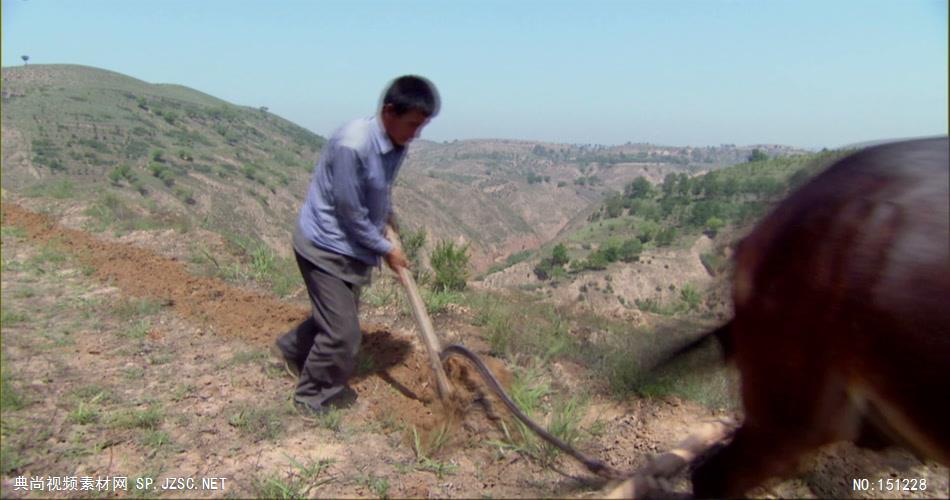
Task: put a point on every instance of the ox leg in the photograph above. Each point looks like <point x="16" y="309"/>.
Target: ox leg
<point x="753" y="456"/>
<point x="785" y="419"/>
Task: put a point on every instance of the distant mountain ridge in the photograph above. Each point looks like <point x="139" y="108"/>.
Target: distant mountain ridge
<point x="527" y="192"/>
<point x="170" y="153"/>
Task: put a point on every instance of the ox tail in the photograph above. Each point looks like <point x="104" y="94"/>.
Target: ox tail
<point x="721" y="334"/>
<point x="697" y="353"/>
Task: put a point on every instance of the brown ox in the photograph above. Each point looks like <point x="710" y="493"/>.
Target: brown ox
<point x="842" y="314"/>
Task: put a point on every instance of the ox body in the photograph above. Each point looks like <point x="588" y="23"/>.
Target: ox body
<point x="842" y="317"/>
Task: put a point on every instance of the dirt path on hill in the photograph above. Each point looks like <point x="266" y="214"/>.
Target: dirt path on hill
<point x="141" y="273"/>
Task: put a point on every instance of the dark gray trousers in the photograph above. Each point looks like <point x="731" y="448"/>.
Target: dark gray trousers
<point x="325" y="344"/>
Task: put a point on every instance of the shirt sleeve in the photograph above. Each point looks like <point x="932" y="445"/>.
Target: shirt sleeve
<point x="350" y="203"/>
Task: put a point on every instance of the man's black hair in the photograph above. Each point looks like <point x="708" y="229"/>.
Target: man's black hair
<point x="411" y="92"/>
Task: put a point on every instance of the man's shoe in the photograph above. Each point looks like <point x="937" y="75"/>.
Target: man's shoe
<point x="308" y="410"/>
<point x="290" y="366"/>
<point x="346" y="398"/>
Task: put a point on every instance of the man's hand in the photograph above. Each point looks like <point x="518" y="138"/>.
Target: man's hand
<point x="396" y="259"/>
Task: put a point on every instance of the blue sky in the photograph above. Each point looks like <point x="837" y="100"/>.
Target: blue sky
<point x="803" y="73"/>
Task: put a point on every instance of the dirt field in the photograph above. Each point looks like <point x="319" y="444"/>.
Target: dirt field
<point x="117" y="362"/>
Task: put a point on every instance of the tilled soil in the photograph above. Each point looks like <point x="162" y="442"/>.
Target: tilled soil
<point x="395" y="391"/>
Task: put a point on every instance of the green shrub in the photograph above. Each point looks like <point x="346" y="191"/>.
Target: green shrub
<point x="666" y="237"/>
<point x="758" y="155"/>
<point x="251" y="172"/>
<point x="450" y="263"/>
<point x="491" y="313"/>
<point x="559" y="255"/>
<point x="713" y="225"/>
<point x="639" y="188"/>
<point x="135" y="149"/>
<point x="713" y="262"/>
<point x="170" y="117"/>
<point x="597" y="261"/>
<point x="438" y="301"/>
<point x="412" y="244"/>
<point x="110" y="210"/>
<point x="630" y="250"/>
<point x="163" y="173"/>
<point x="186" y="195"/>
<point x="122" y="172"/>
<point x="542" y="270"/>
<point x="690" y="296"/>
<point x="614" y="206"/>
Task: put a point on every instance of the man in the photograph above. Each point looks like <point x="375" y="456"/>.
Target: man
<point x="339" y="238"/>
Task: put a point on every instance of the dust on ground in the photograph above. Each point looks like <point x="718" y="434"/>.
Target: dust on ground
<point x="121" y="363"/>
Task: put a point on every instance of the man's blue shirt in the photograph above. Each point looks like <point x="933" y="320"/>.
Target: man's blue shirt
<point x="349" y="198"/>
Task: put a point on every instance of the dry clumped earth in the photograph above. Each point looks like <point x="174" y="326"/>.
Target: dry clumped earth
<point x="118" y="362"/>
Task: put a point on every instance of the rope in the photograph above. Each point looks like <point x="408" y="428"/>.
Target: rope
<point x="595" y="466"/>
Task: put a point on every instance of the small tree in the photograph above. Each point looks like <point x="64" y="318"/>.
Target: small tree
<point x="713" y="225"/>
<point x="614" y="206"/>
<point x="682" y="185"/>
<point x="450" y="263"/>
<point x="596" y="261"/>
<point x="543" y="269"/>
<point x="639" y="188"/>
<point x="630" y="250"/>
<point x="758" y="155"/>
<point x="665" y="237"/>
<point x="669" y="184"/>
<point x="647" y="231"/>
<point x="26" y="59"/>
<point x="559" y="255"/>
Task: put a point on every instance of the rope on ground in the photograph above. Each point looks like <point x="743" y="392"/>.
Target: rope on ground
<point x="595" y="466"/>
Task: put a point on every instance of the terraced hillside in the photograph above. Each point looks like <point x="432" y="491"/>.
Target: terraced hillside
<point x="661" y="247"/>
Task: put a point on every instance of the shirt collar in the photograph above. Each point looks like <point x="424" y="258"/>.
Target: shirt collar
<point x="379" y="133"/>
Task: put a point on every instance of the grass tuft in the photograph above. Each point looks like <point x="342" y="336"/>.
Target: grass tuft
<point x="84" y="414"/>
<point x="256" y="422"/>
<point x="377" y="484"/>
<point x="149" y="419"/>
<point x="130" y="309"/>
<point x="10" y="398"/>
<point x="303" y="478"/>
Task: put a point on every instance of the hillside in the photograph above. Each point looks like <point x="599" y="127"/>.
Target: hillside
<point x="117" y="149"/>
<point x="659" y="248"/>
<point x="508" y="196"/>
<point x="109" y="152"/>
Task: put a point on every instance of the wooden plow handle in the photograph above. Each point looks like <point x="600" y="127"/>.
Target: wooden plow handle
<point x="422" y="319"/>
